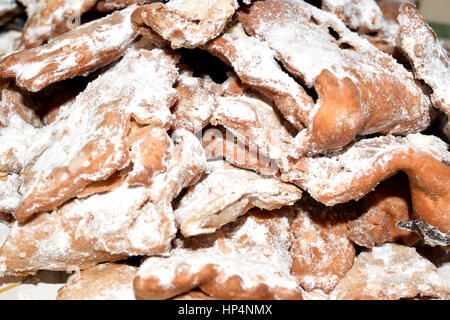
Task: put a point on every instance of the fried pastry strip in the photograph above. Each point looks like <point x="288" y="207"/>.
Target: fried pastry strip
<point x="108" y="281"/>
<point x="321" y="251"/>
<point x="428" y="57"/>
<point x="360" y="89"/>
<point x="18" y="127"/>
<point x="87" y="141"/>
<point x="111" y="5"/>
<point x="194" y="108"/>
<point x="254" y="122"/>
<point x="390" y="272"/>
<point x="49" y="18"/>
<point x="109" y="226"/>
<point x="223" y="145"/>
<point x="361" y="15"/>
<point x="353" y="172"/>
<point x="77" y="52"/>
<point x="382" y="209"/>
<point x="254" y="62"/>
<point x="227" y="193"/>
<point x="185" y="23"/>
<point x="9" y="192"/>
<point x="248" y="259"/>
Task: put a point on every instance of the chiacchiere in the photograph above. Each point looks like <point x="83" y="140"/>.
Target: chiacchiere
<point x="271" y="149"/>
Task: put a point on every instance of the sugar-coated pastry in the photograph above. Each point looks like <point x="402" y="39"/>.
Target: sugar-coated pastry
<point x="48" y="18"/>
<point x="109" y="281"/>
<point x="185" y="23"/>
<point x="77" y="52"/>
<point x="227" y="193"/>
<point x="248" y="259"/>
<point x="390" y="272"/>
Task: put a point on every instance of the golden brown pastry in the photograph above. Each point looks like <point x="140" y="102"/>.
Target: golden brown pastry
<point x="227" y="193"/>
<point x="185" y="23"/>
<point x="429" y="59"/>
<point x="49" y="18"/>
<point x="248" y="259"/>
<point x="382" y="209"/>
<point x="351" y="173"/>
<point x="108" y="226"/>
<point x="111" y="5"/>
<point x="107" y="281"/>
<point x="87" y="141"/>
<point x="321" y="251"/>
<point x="77" y="52"/>
<point x="390" y="272"/>
<point x="375" y="93"/>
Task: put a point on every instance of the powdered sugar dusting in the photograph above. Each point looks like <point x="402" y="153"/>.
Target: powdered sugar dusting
<point x="225" y="194"/>
<point x="391" y="271"/>
<point x="429" y="58"/>
<point x="94" y="44"/>
<point x="92" y="129"/>
<point x="329" y="176"/>
<point x="256" y="253"/>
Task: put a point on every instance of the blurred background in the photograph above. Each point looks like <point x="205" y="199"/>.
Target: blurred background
<point x="437" y="14"/>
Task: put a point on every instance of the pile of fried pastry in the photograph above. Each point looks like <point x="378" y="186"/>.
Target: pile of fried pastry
<point x="225" y="149"/>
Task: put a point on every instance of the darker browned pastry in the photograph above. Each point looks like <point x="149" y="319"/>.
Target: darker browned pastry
<point x="382" y="209"/>
<point x="49" y="18"/>
<point x="353" y="172"/>
<point x="77" y="52"/>
<point x="321" y="251"/>
<point x="360" y="89"/>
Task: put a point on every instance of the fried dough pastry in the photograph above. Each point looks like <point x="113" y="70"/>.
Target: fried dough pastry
<point x="9" y="192"/>
<point x="9" y="42"/>
<point x="111" y="5"/>
<point x="107" y="281"/>
<point x="49" y="18"/>
<point x="247" y="259"/>
<point x="223" y="145"/>
<point x="321" y="251"/>
<point x="390" y="272"/>
<point x="353" y="172"/>
<point x="185" y="23"/>
<point x="227" y="193"/>
<point x="18" y="127"/>
<point x="77" y="52"/>
<point x="428" y="57"/>
<point x="360" y="89"/>
<point x="107" y="226"/>
<point x="382" y="209"/>
<point x="194" y="108"/>
<point x="254" y="122"/>
<point x="361" y="15"/>
<point x="87" y="141"/>
<point x="241" y="52"/>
